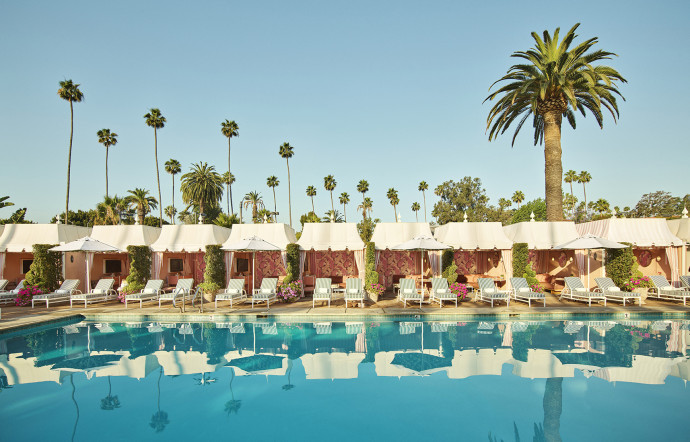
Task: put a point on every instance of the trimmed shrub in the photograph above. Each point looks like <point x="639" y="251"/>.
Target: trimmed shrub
<point x="139" y="267"/>
<point x="520" y="258"/>
<point x="292" y="270"/>
<point x="46" y="269"/>
<point x="619" y="264"/>
<point x="371" y="276"/>
<point x="450" y="269"/>
<point x="215" y="266"/>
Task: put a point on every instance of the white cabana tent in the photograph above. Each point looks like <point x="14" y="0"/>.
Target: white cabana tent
<point x="642" y="233"/>
<point x="387" y="235"/>
<point x="333" y="237"/>
<point x="90" y="247"/>
<point x="187" y="242"/>
<point x="478" y="236"/>
<point x="681" y="229"/>
<point x="389" y="262"/>
<point x="17" y="241"/>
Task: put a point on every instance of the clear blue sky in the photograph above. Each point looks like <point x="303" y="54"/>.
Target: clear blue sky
<point x="390" y="92"/>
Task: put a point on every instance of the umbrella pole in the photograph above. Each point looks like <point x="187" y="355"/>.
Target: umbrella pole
<point x="88" y="274"/>
<point x="588" y="269"/>
<point x="253" y="272"/>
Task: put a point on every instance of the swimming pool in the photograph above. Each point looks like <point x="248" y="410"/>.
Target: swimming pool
<point x="397" y="380"/>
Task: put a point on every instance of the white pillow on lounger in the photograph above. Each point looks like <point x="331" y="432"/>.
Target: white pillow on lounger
<point x="613" y="289"/>
<point x="524" y="290"/>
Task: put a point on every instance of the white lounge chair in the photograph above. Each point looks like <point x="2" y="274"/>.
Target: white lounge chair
<point x="3" y="284"/>
<point x="354" y="291"/>
<point x="233" y="293"/>
<point x="489" y="293"/>
<point x="522" y="292"/>
<point x="440" y="292"/>
<point x="8" y="297"/>
<point x="614" y="293"/>
<point x="62" y="294"/>
<point x="354" y="328"/>
<point x="685" y="280"/>
<point x="150" y="292"/>
<point x="409" y="292"/>
<point x="322" y="291"/>
<point x="102" y="292"/>
<point x="323" y="328"/>
<point x="663" y="290"/>
<point x="576" y="291"/>
<point x="266" y="293"/>
<point x="183" y="291"/>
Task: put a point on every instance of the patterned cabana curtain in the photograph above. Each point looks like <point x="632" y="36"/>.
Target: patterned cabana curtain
<point x="229" y="256"/>
<point x="2" y="265"/>
<point x="580" y="256"/>
<point x="507" y="259"/>
<point x="157" y="263"/>
<point x="672" y="256"/>
<point x="359" y="262"/>
<point x="435" y="261"/>
<point x="302" y="259"/>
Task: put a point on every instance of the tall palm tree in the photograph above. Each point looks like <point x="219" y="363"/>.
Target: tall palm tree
<point x="273" y="182"/>
<point x="140" y="200"/>
<point x="344" y="199"/>
<point x="365" y="207"/>
<point x="230" y="129"/>
<point x="570" y="177"/>
<point x="229" y="180"/>
<point x="329" y="184"/>
<point x="415" y="209"/>
<point x="156" y="120"/>
<point x="584" y="178"/>
<point x="173" y="167"/>
<point x="70" y="92"/>
<point x="170" y="212"/>
<point x="423" y="186"/>
<point x="107" y="139"/>
<point x="254" y="201"/>
<point x="554" y="81"/>
<point x="202" y="186"/>
<point x="286" y="151"/>
<point x="392" y="195"/>
<point x="311" y="193"/>
<point x="363" y="187"/>
<point x="518" y="197"/>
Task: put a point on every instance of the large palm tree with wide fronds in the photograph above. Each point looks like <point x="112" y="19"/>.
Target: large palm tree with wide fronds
<point x="230" y="129"/>
<point x="344" y="200"/>
<point x="423" y="187"/>
<point x="107" y="139"/>
<point x="392" y="195"/>
<point x="552" y="81"/>
<point x="202" y="186"/>
<point x="4" y="202"/>
<point x="142" y="202"/>
<point x="254" y="201"/>
<point x="363" y="187"/>
<point x="229" y="180"/>
<point x="273" y="182"/>
<point x="70" y="92"/>
<point x="156" y="120"/>
<point x="329" y="184"/>
<point x="286" y="151"/>
<point x="173" y="167"/>
<point x="311" y="193"/>
<point x="415" y="209"/>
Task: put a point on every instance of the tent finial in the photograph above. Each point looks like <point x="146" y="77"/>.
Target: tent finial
<point x="685" y="212"/>
<point x="531" y="217"/>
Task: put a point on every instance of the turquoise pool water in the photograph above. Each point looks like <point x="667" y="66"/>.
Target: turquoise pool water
<point x="398" y="380"/>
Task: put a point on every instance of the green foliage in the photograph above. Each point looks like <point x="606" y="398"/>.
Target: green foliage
<point x="225" y="220"/>
<point x="520" y="257"/>
<point x="46" y="269"/>
<point x="292" y="251"/>
<point x="210" y="288"/>
<point x="310" y="217"/>
<point x="154" y="221"/>
<point x="78" y="218"/>
<point x="215" y="266"/>
<point x="16" y="218"/>
<point x="660" y="204"/>
<point x="450" y="269"/>
<point x="522" y="214"/>
<point x="468" y="195"/>
<point x="530" y="275"/>
<point x="371" y="276"/>
<point x="139" y="267"/>
<point x="619" y="264"/>
<point x="365" y="228"/>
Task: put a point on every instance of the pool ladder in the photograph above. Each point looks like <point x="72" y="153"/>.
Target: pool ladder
<point x="197" y="292"/>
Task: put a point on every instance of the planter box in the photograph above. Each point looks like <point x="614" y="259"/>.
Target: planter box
<point x="643" y="293"/>
<point x="374" y="297"/>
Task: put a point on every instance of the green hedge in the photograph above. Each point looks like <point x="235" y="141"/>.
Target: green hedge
<point x="215" y="266"/>
<point x="371" y="276"/>
<point x="619" y="264"/>
<point x="450" y="269"/>
<point x="520" y="258"/>
<point x="292" y="270"/>
<point x="139" y="267"/>
<point x="46" y="269"/>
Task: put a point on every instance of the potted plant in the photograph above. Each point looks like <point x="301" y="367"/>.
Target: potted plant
<point x="374" y="290"/>
<point x="460" y="290"/>
<point x="638" y="284"/>
<point x="289" y="291"/>
<point x="209" y="289"/>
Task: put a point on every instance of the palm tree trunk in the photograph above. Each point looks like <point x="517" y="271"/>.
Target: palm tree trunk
<point x="312" y="205"/>
<point x="416" y="215"/>
<point x="240" y="212"/>
<point x="585" y="191"/>
<point x="424" y="196"/>
<point x="332" y="206"/>
<point x="202" y="213"/>
<point x="69" y="156"/>
<point x="395" y="214"/>
<point x="158" y="179"/>
<point x="345" y="212"/>
<point x="289" y="192"/>
<point x="140" y="214"/>
<point x="173" y="191"/>
<point x="106" y="171"/>
<point x="553" y="406"/>
<point x="553" y="169"/>
<point x="364" y="209"/>
<point x="275" y="219"/>
<point x="229" y="196"/>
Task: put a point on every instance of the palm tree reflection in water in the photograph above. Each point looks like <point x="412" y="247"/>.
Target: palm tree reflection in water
<point x="110" y="402"/>
<point x="233" y="405"/>
<point x="159" y="419"/>
<point x="289" y="386"/>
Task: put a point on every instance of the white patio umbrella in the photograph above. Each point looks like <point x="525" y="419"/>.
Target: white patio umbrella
<point x="89" y="246"/>
<point x="590" y="242"/>
<point x="253" y="244"/>
<point x="422" y="244"/>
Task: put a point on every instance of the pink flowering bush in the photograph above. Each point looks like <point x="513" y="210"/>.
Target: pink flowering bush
<point x="376" y="288"/>
<point x="26" y="294"/>
<point x="289" y="291"/>
<point x="459" y="289"/>
<point x="536" y="288"/>
<point x="637" y="282"/>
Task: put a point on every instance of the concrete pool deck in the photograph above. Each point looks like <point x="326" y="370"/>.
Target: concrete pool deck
<point x="16" y="318"/>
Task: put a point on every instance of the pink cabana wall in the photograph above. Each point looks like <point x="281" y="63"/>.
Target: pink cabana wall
<point x="399" y="263"/>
